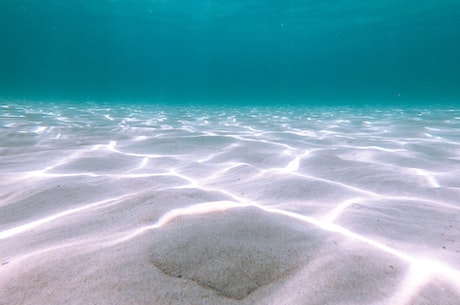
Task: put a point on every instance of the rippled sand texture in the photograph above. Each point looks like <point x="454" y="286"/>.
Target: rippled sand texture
<point x="171" y="205"/>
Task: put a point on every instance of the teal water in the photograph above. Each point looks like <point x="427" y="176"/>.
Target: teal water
<point x="238" y="52"/>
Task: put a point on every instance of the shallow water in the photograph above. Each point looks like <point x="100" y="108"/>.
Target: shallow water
<point x="177" y="195"/>
<point x="257" y="51"/>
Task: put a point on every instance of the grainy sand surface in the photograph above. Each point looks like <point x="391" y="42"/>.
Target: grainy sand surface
<point x="213" y="205"/>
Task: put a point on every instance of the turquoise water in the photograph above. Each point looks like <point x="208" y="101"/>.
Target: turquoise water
<point x="231" y="52"/>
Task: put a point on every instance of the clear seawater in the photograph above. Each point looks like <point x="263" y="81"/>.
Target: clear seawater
<point x="231" y="52"/>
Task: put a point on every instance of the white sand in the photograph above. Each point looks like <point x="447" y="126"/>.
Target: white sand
<point x="155" y="205"/>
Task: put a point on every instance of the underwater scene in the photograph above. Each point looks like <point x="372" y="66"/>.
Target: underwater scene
<point x="229" y="152"/>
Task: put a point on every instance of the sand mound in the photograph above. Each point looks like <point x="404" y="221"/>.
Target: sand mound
<point x="233" y="253"/>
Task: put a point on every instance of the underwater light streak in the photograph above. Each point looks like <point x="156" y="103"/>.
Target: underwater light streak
<point x="430" y="179"/>
<point x="336" y="212"/>
<point x="31" y="225"/>
<point x="414" y="280"/>
<point x="202" y="208"/>
<point x="197" y="209"/>
<point x="49" y="249"/>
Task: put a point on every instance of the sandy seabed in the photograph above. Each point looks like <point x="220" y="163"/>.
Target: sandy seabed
<point x="211" y="205"/>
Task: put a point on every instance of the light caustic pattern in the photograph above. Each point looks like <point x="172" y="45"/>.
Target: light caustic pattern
<point x="387" y="179"/>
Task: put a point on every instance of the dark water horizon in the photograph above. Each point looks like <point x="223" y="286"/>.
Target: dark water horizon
<point x="231" y="52"/>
